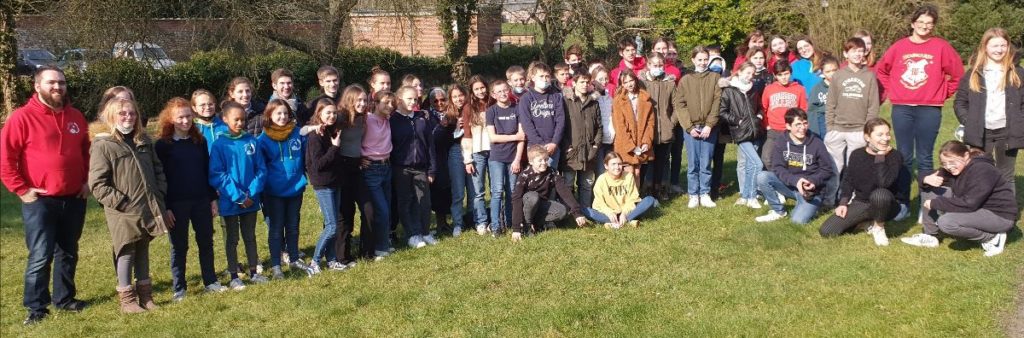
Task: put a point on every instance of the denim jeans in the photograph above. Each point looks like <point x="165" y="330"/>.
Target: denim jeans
<point x="283" y="213"/>
<point x="457" y="175"/>
<point x="915" y="129"/>
<point x="378" y="183"/>
<point x="645" y="204"/>
<point x="746" y="175"/>
<point x="583" y="181"/>
<point x="768" y="183"/>
<point x="698" y="166"/>
<point x="199" y="214"/>
<point x="53" y="226"/>
<point x="479" y="186"/>
<point x="502" y="181"/>
<point x="330" y="202"/>
<point x="677" y="156"/>
<point x="602" y="151"/>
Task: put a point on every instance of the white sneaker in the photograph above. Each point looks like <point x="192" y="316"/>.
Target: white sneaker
<point x="313" y="269"/>
<point x="741" y="201"/>
<point x="178" y="296"/>
<point x="416" y="242"/>
<point x="456" y="231"/>
<point x="258" y="279"/>
<point x="705" y="201"/>
<point x="878" y="233"/>
<point x="481" y="229"/>
<point x="694" y="202"/>
<point x="995" y="245"/>
<point x="215" y="287"/>
<point x="336" y="266"/>
<point x="921" y="240"/>
<point x="259" y="269"/>
<point x="782" y="198"/>
<point x="771" y="216"/>
<point x="429" y="239"/>
<point x="379" y="255"/>
<point x="275" y="271"/>
<point x="753" y="204"/>
<point x="236" y="284"/>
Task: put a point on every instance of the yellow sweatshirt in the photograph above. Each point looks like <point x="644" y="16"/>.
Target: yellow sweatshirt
<point x="615" y="196"/>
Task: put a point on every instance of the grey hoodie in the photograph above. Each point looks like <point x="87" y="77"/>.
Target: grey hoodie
<point x="853" y="99"/>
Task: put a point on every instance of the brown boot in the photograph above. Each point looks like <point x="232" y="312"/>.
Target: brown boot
<point x="129" y="300"/>
<point x="145" y="289"/>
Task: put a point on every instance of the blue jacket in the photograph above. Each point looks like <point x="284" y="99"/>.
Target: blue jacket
<point x="211" y="131"/>
<point x="286" y="169"/>
<point x="237" y="171"/>
<point x="802" y="73"/>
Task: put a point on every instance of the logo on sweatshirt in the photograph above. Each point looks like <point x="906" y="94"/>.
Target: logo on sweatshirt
<point x="542" y="109"/>
<point x="296" y="145"/>
<point x="915" y="76"/>
<point x="73" y="128"/>
<point x="250" y="149"/>
<point x="783" y="100"/>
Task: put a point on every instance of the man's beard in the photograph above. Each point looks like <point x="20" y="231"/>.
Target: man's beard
<point x="54" y="99"/>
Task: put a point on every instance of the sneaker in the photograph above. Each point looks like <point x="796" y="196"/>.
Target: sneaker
<point x="416" y="242"/>
<point x="678" y="190"/>
<point x="634" y="223"/>
<point x="456" y="231"/>
<point x="379" y="255"/>
<point x="694" y="202"/>
<point x="741" y="201"/>
<point x="276" y="273"/>
<point x="753" y="204"/>
<point x="35" y="317"/>
<point x="178" y="296"/>
<point x="878" y="233"/>
<point x="236" y="284"/>
<point x="429" y="239"/>
<point x="782" y="198"/>
<point x="903" y="214"/>
<point x="921" y="240"/>
<point x="215" y="287"/>
<point x="313" y="268"/>
<point x="771" y="216"/>
<point x="705" y="201"/>
<point x="995" y="245"/>
<point x="259" y="269"/>
<point x="299" y="265"/>
<point x="481" y="229"/>
<point x="336" y="266"/>
<point x="258" y="279"/>
<point x="285" y="259"/>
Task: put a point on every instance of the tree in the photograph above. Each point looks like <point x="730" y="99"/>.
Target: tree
<point x="971" y="18"/>
<point x="454" y="20"/>
<point x="710" y="22"/>
<point x="8" y="58"/>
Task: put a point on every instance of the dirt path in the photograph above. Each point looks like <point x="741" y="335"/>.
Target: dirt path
<point x="1015" y="320"/>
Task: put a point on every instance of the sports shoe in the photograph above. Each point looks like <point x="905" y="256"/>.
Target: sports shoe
<point x="694" y="202"/>
<point x="178" y="296"/>
<point x="771" y="216"/>
<point x="299" y="265"/>
<point x="215" y="287"/>
<point x="336" y="266"/>
<point x="313" y="269"/>
<point x="903" y="214"/>
<point x="429" y="239"/>
<point x="705" y="201"/>
<point x="921" y="240"/>
<point x="236" y="284"/>
<point x="35" y="317"/>
<point x="481" y="229"/>
<point x="258" y="279"/>
<point x="275" y="271"/>
<point x="753" y="204"/>
<point x="456" y="231"/>
<point x="416" y="242"/>
<point x="379" y="255"/>
<point x="878" y="233"/>
<point x="741" y="201"/>
<point x="995" y="245"/>
<point x="634" y="223"/>
<point x="782" y="198"/>
<point x="259" y="269"/>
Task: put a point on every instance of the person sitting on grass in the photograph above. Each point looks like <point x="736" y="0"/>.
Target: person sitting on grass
<point x="869" y="189"/>
<point x="799" y="169"/>
<point x="534" y="196"/>
<point x="974" y="199"/>
<point x="617" y="201"/>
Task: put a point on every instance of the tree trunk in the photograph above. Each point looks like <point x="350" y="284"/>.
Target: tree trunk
<point x="8" y="59"/>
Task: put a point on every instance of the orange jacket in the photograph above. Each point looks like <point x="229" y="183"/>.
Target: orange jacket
<point x="633" y="132"/>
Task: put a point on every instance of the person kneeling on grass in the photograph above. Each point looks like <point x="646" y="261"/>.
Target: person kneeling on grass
<point x="616" y="199"/>
<point x="869" y="188"/>
<point x="799" y="170"/>
<point x="967" y="198"/>
<point x="534" y="195"/>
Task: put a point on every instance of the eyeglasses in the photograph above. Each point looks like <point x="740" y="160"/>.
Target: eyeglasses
<point x="127" y="114"/>
<point x="952" y="164"/>
<point x="925" y="23"/>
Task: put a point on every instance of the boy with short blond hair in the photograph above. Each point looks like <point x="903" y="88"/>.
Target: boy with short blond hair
<point x="534" y="197"/>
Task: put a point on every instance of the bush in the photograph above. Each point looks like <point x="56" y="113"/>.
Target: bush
<point x="494" y="65"/>
<point x="971" y="18"/>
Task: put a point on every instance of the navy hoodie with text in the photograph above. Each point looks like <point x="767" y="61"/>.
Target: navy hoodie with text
<point x="542" y="115"/>
<point x="792" y="161"/>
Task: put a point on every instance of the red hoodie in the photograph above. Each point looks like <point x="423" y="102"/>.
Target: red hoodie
<point x="639" y="63"/>
<point x="919" y="73"/>
<point x="777" y="99"/>
<point x="45" y="150"/>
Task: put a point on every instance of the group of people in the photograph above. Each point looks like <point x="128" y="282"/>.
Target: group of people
<point x="574" y="139"/>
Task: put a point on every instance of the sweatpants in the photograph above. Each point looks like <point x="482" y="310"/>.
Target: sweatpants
<point x="979" y="225"/>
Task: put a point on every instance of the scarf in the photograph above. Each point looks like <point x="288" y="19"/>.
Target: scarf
<point x="743" y="87"/>
<point x="279" y="133"/>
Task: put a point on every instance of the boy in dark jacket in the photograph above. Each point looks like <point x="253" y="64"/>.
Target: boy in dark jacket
<point x="582" y="137"/>
<point x="534" y="195"/>
<point x="799" y="169"/>
<point x="284" y="89"/>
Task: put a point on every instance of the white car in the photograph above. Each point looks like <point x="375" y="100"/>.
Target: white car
<point x="146" y="52"/>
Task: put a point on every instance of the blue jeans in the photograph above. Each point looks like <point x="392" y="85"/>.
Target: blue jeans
<point x="602" y="151"/>
<point x="698" y="166"/>
<point x="378" y="182"/>
<point x="198" y="213"/>
<point x="457" y="175"/>
<point x="330" y="202"/>
<point x="479" y="186"/>
<point x="747" y="169"/>
<point x="915" y="129"/>
<point x="583" y="181"/>
<point x="53" y="226"/>
<point x="642" y="207"/>
<point x="768" y="183"/>
<point x="502" y="181"/>
<point x="283" y="213"/>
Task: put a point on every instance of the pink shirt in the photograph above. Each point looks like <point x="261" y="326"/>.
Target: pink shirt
<point x="377" y="139"/>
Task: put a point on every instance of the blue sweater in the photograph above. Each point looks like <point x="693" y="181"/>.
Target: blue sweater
<point x="186" y="165"/>
<point x="802" y="73"/>
<point x="412" y="140"/>
<point x="286" y="169"/>
<point x="211" y="131"/>
<point x="542" y="116"/>
<point x="237" y="171"/>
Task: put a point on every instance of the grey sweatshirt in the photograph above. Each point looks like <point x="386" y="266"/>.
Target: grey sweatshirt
<point x="853" y="100"/>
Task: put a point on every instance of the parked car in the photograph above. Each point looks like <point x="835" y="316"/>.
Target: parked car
<point x="145" y="52"/>
<point x="31" y="59"/>
<point x="79" y="58"/>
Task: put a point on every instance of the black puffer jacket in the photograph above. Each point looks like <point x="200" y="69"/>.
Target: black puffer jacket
<point x="969" y="107"/>
<point x="742" y="113"/>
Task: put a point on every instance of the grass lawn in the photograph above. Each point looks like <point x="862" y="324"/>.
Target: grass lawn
<point x="704" y="272"/>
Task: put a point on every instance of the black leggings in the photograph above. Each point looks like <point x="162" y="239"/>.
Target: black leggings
<point x="881" y="207"/>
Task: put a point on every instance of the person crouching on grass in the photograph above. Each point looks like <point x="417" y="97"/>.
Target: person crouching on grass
<point x="799" y="168"/>
<point x="127" y="178"/>
<point x="534" y="196"/>
<point x="617" y="201"/>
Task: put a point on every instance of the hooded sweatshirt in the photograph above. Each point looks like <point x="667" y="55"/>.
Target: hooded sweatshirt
<point x="792" y="161"/>
<point x="542" y="115"/>
<point x="803" y="74"/>
<point x="210" y="130"/>
<point x="980" y="185"/>
<point x="43" y="149"/>
<point x="853" y="100"/>
<point x="237" y="171"/>
<point x="639" y="63"/>
<point x="777" y="99"/>
<point x="285" y="162"/>
<point x="920" y="73"/>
